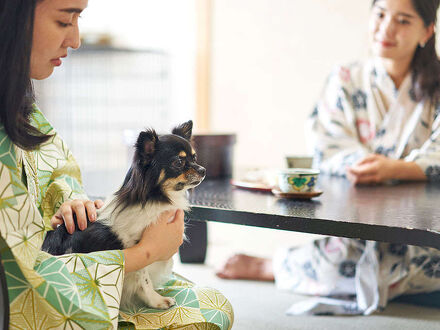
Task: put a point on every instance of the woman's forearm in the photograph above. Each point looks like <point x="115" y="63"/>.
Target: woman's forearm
<point x="409" y="171"/>
<point x="136" y="258"/>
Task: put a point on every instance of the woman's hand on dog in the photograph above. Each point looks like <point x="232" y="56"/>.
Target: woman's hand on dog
<point x="159" y="241"/>
<point x="79" y="208"/>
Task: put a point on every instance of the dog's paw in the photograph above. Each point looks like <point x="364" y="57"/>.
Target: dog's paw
<point x="163" y="303"/>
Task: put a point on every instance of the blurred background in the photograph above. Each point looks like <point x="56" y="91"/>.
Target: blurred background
<point x="135" y="69"/>
<point x="250" y="67"/>
<point x="254" y="68"/>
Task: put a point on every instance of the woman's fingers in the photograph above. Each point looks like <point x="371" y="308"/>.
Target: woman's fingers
<point x="167" y="216"/>
<point x="351" y="177"/>
<point x="56" y="221"/>
<point x="179" y="222"/>
<point x="67" y="215"/>
<point x="80" y="211"/>
<point x="83" y="209"/>
<point x="179" y="217"/>
<point x="91" y="210"/>
<point x="364" y="169"/>
<point x="175" y="223"/>
<point x="367" y="179"/>
<point x="367" y="159"/>
<point x="164" y="237"/>
<point x="99" y="203"/>
<point x="362" y="178"/>
<point x="363" y="174"/>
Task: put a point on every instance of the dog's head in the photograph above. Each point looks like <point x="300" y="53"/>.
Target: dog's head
<point x="162" y="165"/>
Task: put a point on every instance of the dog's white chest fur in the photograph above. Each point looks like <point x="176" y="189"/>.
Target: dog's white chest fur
<point x="129" y="225"/>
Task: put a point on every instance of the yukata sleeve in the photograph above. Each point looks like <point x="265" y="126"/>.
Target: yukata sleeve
<point x="63" y="183"/>
<point x="58" y="172"/>
<point x="332" y="125"/>
<point x="69" y="291"/>
<point x="428" y="156"/>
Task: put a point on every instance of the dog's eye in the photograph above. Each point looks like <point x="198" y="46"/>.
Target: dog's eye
<point x="179" y="162"/>
<point x="194" y="157"/>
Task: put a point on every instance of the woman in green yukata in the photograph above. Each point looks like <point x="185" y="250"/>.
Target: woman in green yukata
<point x="376" y="121"/>
<point x="40" y="187"/>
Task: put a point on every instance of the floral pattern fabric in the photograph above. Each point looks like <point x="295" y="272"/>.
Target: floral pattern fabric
<point x="361" y="112"/>
<point x="354" y="276"/>
<point x="74" y="291"/>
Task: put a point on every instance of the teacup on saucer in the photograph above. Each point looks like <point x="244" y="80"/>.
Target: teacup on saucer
<point x="297" y="180"/>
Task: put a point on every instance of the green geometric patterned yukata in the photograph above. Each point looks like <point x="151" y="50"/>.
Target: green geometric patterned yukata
<point x="75" y="291"/>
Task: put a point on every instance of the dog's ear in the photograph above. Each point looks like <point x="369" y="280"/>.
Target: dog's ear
<point x="146" y="146"/>
<point x="184" y="130"/>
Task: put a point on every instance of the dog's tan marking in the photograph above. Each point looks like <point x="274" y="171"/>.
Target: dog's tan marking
<point x="161" y="176"/>
<point x="191" y="172"/>
<point x="182" y="154"/>
<point x="170" y="184"/>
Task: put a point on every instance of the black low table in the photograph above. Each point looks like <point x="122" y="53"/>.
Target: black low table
<point x="406" y="213"/>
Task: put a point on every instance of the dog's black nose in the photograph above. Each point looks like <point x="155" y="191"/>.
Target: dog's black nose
<point x="201" y="170"/>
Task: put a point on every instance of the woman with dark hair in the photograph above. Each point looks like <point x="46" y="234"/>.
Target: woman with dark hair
<point x="376" y="121"/>
<point x="40" y="188"/>
<point x="16" y="94"/>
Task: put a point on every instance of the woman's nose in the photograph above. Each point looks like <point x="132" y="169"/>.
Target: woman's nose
<point x="388" y="27"/>
<point x="73" y="40"/>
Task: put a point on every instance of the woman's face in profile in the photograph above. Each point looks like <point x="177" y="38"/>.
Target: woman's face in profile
<point x="396" y="29"/>
<point x="55" y="29"/>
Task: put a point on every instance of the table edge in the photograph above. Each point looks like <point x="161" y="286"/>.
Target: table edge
<point x="374" y="232"/>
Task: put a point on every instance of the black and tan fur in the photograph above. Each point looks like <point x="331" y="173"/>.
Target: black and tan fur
<point x="163" y="169"/>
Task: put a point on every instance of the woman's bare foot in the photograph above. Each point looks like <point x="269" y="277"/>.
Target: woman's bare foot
<point x="244" y="267"/>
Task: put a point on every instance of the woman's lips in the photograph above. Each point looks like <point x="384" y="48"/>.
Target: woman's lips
<point x="56" y="61"/>
<point x="387" y="44"/>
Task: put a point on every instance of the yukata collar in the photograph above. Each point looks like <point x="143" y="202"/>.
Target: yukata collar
<point x="383" y="80"/>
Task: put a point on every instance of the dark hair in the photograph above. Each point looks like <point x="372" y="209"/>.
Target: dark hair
<point x="16" y="91"/>
<point x="425" y="64"/>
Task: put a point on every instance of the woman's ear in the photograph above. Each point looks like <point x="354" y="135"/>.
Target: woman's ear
<point x="430" y="30"/>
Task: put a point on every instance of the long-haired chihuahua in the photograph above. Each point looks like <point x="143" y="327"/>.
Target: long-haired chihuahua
<point x="163" y="169"/>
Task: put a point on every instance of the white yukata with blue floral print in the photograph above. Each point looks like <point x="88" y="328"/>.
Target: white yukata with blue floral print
<point x="360" y="113"/>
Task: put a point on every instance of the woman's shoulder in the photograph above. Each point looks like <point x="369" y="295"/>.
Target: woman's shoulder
<point x="9" y="151"/>
<point x="39" y="121"/>
<point x="55" y="145"/>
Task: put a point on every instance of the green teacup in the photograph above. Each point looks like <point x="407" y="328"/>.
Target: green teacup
<point x="297" y="180"/>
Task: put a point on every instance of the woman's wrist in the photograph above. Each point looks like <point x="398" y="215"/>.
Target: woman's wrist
<point x="408" y="171"/>
<point x="137" y="257"/>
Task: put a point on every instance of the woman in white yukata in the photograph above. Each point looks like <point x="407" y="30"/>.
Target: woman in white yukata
<point x="376" y="121"/>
